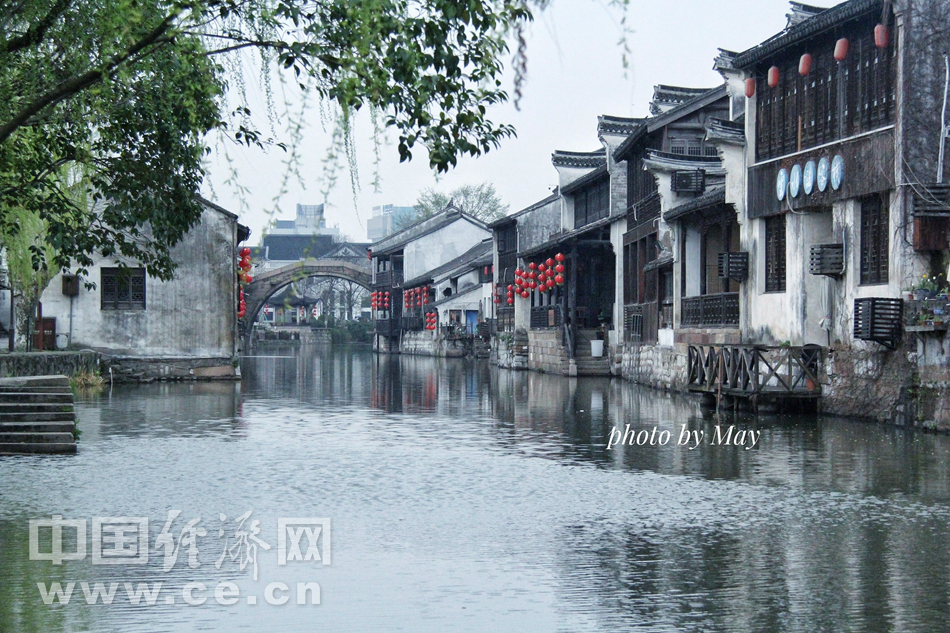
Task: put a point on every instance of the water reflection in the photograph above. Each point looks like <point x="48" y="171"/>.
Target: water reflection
<point x="467" y="498"/>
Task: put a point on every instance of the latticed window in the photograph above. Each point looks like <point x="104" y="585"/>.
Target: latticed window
<point x="874" y="241"/>
<point x="591" y="203"/>
<point x="775" y="254"/>
<point x="122" y="289"/>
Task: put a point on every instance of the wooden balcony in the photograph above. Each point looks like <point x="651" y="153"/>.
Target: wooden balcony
<point x="721" y="310"/>
<point x="742" y="370"/>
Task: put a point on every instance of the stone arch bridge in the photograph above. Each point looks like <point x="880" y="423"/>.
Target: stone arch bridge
<point x="267" y="283"/>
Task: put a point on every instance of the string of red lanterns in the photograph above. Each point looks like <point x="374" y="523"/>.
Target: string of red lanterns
<point x="542" y="276"/>
<point x="244" y="265"/>
<point x="882" y="38"/>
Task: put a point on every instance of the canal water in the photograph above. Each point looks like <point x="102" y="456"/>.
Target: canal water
<point x="447" y="495"/>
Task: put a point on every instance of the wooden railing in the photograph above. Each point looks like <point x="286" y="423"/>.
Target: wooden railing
<point x="748" y="370"/>
<point x="720" y="310"/>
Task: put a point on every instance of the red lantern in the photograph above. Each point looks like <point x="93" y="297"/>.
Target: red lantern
<point x="559" y="280"/>
<point x="518" y="272"/>
<point x="549" y="283"/>
<point x="510" y="288"/>
<point x="773" y="76"/>
<point x="804" y="65"/>
<point x="841" y="49"/>
<point x="542" y="267"/>
<point x="750" y="87"/>
<point x="559" y="268"/>
<point x="559" y="257"/>
<point x="532" y="275"/>
<point x="881" y="36"/>
<point x="245" y="252"/>
<point x="533" y="285"/>
<point x="241" y="314"/>
<point x="532" y="266"/>
<point x="549" y="262"/>
<point x="248" y="279"/>
<point x="510" y="301"/>
<point x="525" y="294"/>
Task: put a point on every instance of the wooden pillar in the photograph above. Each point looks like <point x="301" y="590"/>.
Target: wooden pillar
<point x="572" y="300"/>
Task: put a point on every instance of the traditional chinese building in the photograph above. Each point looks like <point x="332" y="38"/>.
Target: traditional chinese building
<point x="146" y="328"/>
<point x="404" y="291"/>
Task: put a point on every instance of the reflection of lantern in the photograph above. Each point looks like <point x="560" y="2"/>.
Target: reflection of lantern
<point x="559" y="257"/>
<point x="881" y="36"/>
<point x="750" y="87"/>
<point x="773" y="76"/>
<point x="804" y="65"/>
<point x="841" y="49"/>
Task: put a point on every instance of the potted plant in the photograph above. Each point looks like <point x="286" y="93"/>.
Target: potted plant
<point x="928" y="287"/>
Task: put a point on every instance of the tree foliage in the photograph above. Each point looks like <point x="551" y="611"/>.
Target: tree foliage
<point x="124" y="93"/>
<point x="481" y="201"/>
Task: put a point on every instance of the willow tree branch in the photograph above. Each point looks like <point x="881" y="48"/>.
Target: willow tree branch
<point x="77" y="84"/>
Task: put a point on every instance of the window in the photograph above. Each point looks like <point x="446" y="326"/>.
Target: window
<point x="591" y="203"/>
<point x="874" y="241"/>
<point x="775" y="254"/>
<point x="835" y="100"/>
<point x="122" y="289"/>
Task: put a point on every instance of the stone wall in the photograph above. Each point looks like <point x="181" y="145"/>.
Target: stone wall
<point x="385" y="344"/>
<point x="510" y="350"/>
<point x="420" y="343"/>
<point x="428" y="343"/>
<point x="657" y="366"/>
<point x="546" y="351"/>
<point x="139" y="369"/>
<point x="47" y="363"/>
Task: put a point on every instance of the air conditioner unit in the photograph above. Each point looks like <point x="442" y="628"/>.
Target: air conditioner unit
<point x="734" y="266"/>
<point x="826" y="259"/>
<point x="879" y="319"/>
<point x="689" y="181"/>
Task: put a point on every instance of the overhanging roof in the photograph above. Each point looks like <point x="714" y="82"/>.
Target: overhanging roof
<point x="655" y="123"/>
<point x="420" y="229"/>
<point x="713" y="198"/>
<point x="824" y="21"/>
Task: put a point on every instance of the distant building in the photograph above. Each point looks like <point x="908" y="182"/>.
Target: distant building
<point x="305" y="236"/>
<point x="385" y="220"/>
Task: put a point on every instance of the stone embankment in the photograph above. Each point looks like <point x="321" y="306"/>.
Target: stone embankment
<point x="36" y="415"/>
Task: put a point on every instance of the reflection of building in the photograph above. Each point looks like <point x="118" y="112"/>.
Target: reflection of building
<point x="385" y="220"/>
<point x="180" y="328"/>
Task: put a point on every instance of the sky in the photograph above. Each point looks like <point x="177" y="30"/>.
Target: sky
<point x="575" y="73"/>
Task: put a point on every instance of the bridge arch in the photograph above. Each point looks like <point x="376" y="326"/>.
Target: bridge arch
<point x="269" y="282"/>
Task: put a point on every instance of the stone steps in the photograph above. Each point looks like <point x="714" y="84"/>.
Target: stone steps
<point x="23" y="397"/>
<point x="36" y="415"/>
<point x="52" y="415"/>
<point x="46" y="448"/>
<point x="39" y="426"/>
